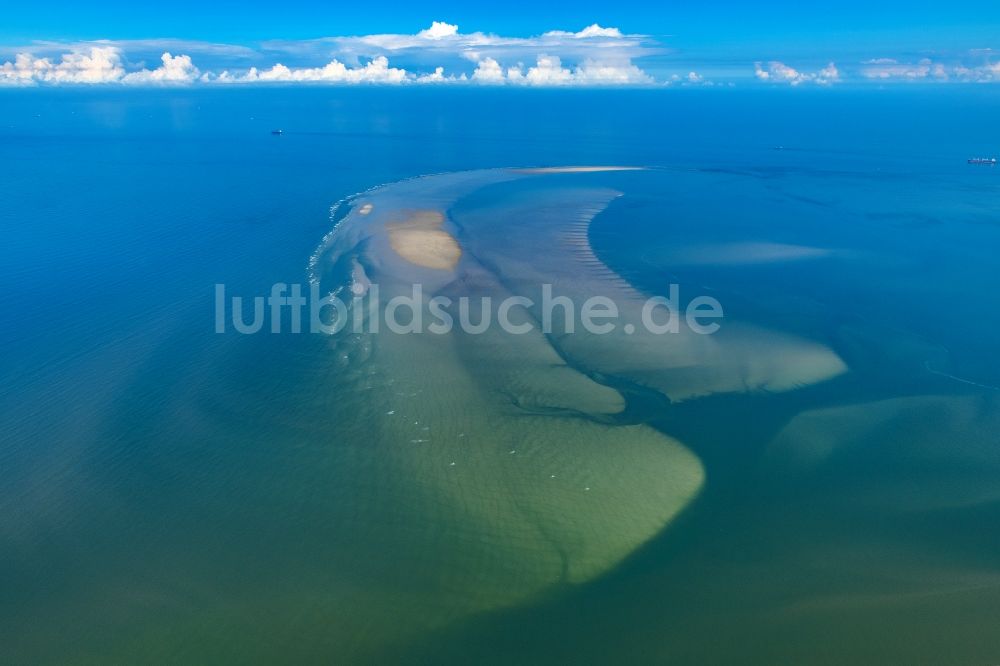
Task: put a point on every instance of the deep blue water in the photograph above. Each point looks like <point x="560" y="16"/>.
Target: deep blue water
<point x="168" y="493"/>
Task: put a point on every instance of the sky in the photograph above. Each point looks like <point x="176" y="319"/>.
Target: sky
<point x="584" y="43"/>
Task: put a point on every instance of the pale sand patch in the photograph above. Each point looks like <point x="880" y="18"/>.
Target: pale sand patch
<point x="917" y="453"/>
<point x="737" y="254"/>
<point x="365" y="209"/>
<point x="579" y="169"/>
<point x="420" y="240"/>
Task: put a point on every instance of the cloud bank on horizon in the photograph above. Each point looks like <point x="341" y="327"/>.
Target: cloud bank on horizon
<point x="440" y="54"/>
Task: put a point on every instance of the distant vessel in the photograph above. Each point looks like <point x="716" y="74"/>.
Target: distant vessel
<point x="983" y="160"/>
<point x="277" y="131"/>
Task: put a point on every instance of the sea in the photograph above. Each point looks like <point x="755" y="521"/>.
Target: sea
<point x="815" y="482"/>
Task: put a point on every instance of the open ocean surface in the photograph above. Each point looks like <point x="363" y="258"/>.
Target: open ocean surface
<point x="823" y="489"/>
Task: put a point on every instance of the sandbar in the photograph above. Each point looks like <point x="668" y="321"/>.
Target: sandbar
<point x="420" y="240"/>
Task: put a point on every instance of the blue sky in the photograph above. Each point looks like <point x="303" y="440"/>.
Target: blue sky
<point x="694" y="22"/>
<point x="721" y="43"/>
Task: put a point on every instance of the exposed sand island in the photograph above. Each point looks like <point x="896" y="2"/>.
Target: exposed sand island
<point x="420" y="240"/>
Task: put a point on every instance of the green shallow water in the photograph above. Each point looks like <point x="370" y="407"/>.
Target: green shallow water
<point x="816" y="483"/>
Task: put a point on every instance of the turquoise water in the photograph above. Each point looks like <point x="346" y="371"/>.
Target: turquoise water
<point x="821" y="485"/>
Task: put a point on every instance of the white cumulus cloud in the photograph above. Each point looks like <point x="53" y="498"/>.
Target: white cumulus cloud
<point x="549" y="71"/>
<point x="593" y="56"/>
<point x="779" y="72"/>
<point x="175" y="69"/>
<point x="605" y="73"/>
<point x="376" y="70"/>
<point x="438" y="30"/>
<point x="98" y="64"/>
<point x="590" y="31"/>
<point x="925" y="69"/>
<point x="444" y="44"/>
<point x="438" y="76"/>
<point x="489" y="71"/>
